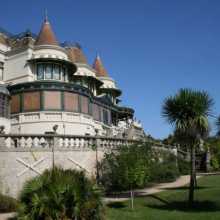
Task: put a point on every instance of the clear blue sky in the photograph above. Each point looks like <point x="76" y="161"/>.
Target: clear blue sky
<point x="150" y="47"/>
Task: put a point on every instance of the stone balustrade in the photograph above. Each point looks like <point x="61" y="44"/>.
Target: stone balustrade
<point x="21" y="142"/>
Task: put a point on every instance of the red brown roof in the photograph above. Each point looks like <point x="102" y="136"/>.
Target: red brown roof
<point x="76" y="55"/>
<point x="3" y="40"/>
<point x="46" y="35"/>
<point x="99" y="67"/>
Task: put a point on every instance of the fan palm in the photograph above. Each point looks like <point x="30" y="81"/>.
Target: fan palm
<point x="61" y="194"/>
<point x="218" y="125"/>
<point x="188" y="112"/>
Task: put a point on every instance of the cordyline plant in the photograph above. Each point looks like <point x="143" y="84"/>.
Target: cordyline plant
<point x="188" y="112"/>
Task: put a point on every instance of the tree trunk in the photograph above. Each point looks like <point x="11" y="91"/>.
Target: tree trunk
<point x="192" y="175"/>
<point x="132" y="199"/>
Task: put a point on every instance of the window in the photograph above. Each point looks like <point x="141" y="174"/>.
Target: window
<point x="4" y="106"/>
<point x="56" y="72"/>
<point x="40" y="71"/>
<point x="105" y="116"/>
<point x="48" y="71"/>
<point x="51" y="71"/>
<point x="84" y="105"/>
<point x="1" y="71"/>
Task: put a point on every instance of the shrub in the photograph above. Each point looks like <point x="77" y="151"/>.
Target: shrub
<point x="7" y="204"/>
<point x="184" y="166"/>
<point x="164" y="168"/>
<point x="125" y="169"/>
<point x="164" y="172"/>
<point x="214" y="163"/>
<point x="60" y="194"/>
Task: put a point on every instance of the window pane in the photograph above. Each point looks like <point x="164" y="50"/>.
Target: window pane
<point x="84" y="104"/>
<point x="31" y="101"/>
<point x="48" y="71"/>
<point x="71" y="102"/>
<point x="40" y="71"/>
<point x="52" y="100"/>
<point x="56" y="72"/>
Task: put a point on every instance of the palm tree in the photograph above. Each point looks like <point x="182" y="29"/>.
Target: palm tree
<point x="218" y="125"/>
<point x="188" y="112"/>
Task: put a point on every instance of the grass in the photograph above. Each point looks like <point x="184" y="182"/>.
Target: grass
<point x="172" y="204"/>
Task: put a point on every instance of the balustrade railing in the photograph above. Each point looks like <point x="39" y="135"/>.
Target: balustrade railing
<point x="48" y="141"/>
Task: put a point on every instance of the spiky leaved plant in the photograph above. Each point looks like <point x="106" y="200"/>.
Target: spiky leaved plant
<point x="188" y="112"/>
<point x="61" y="195"/>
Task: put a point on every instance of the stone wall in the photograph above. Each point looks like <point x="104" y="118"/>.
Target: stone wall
<point x="16" y="167"/>
<point x="23" y="157"/>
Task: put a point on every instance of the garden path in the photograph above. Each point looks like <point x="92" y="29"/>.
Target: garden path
<point x="181" y="181"/>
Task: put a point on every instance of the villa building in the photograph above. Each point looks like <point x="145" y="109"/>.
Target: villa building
<point x="45" y="83"/>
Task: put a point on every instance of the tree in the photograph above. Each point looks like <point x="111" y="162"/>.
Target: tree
<point x="61" y="195"/>
<point x="126" y="169"/>
<point x="188" y="112"/>
<point x="218" y="126"/>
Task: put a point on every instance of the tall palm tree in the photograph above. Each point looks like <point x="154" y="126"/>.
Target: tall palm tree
<point x="188" y="112"/>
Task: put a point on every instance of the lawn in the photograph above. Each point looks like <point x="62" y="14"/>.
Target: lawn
<point x="171" y="204"/>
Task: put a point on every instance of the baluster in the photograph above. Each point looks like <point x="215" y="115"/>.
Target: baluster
<point x="9" y="142"/>
<point x="36" y="142"/>
<point x="29" y="142"/>
<point x="22" y="142"/>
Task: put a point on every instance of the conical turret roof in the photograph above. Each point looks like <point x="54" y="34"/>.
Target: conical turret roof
<point x="99" y="67"/>
<point x="76" y="55"/>
<point x="46" y="35"/>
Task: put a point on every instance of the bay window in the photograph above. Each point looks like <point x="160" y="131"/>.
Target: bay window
<point x="51" y="71"/>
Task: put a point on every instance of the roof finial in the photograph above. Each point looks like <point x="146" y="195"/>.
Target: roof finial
<point x="97" y="56"/>
<point x="46" y="16"/>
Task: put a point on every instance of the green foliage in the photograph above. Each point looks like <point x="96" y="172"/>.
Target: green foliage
<point x="135" y="166"/>
<point x="171" y="204"/>
<point x="127" y="168"/>
<point x="7" y="204"/>
<point x="184" y="166"/>
<point x="213" y="144"/>
<point x="188" y="111"/>
<point x="164" y="168"/>
<point x="215" y="163"/>
<point x="60" y="194"/>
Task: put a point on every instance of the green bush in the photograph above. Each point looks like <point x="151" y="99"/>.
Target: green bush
<point x="164" y="172"/>
<point x="164" y="167"/>
<point x="61" y="194"/>
<point x="136" y="166"/>
<point x="125" y="169"/>
<point x="214" y="163"/>
<point x="184" y="166"/>
<point x="7" y="204"/>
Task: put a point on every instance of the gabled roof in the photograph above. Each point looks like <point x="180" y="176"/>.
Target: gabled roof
<point x="76" y="55"/>
<point x="46" y="35"/>
<point x="99" y="67"/>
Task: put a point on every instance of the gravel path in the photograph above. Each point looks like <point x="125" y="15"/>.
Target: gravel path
<point x="6" y="216"/>
<point x="181" y="181"/>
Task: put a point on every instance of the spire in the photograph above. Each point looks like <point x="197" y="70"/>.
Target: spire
<point x="46" y="17"/>
<point x="99" y="67"/>
<point x="46" y="35"/>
